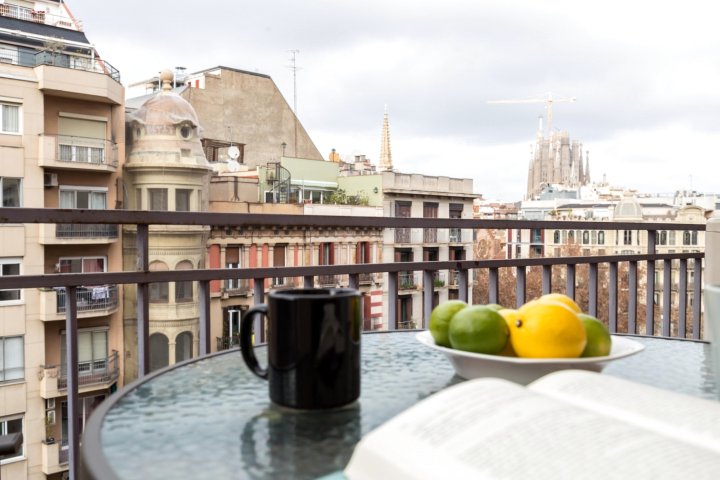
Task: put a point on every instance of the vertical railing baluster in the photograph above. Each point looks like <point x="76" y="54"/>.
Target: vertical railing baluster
<point x="258" y="297"/>
<point x="593" y="289"/>
<point x="142" y="243"/>
<point x="463" y="284"/>
<point x="697" y="296"/>
<point x="570" y="280"/>
<point x="428" y="290"/>
<point x="632" y="297"/>
<point x="308" y="281"/>
<point x="71" y="348"/>
<point x="613" y="298"/>
<point x="520" y="289"/>
<point x="650" y="287"/>
<point x="493" y="283"/>
<point x="204" y="294"/>
<point x="682" y="298"/>
<point x="392" y="297"/>
<point x="667" y="283"/>
<point x="546" y="279"/>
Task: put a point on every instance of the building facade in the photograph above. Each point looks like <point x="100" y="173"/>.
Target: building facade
<point x="61" y="142"/>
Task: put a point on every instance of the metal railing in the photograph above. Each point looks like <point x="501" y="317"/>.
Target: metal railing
<point x="226" y="343"/>
<point x="597" y="275"/>
<point x="75" y="230"/>
<point x="92" y="372"/>
<point x="99" y="297"/>
<point x="455" y="235"/>
<point x="30" y="15"/>
<point x="402" y="235"/>
<point x="237" y="286"/>
<point x="27" y="57"/>
<point x="76" y="149"/>
<point x="430" y="235"/>
<point x="407" y="281"/>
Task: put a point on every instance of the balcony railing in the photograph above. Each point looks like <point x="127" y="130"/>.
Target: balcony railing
<point x="402" y="235"/>
<point x="27" y="57"/>
<point x="76" y="230"/>
<point x="237" y="286"/>
<point x="604" y="280"/>
<point x="30" y="15"/>
<point x="226" y="343"/>
<point x="85" y="150"/>
<point x="327" y="280"/>
<point x="407" y="281"/>
<point x="455" y="235"/>
<point x="99" y="297"/>
<point x="92" y="372"/>
<point x="430" y="235"/>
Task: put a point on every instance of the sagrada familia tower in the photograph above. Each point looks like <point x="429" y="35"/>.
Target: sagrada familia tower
<point x="558" y="161"/>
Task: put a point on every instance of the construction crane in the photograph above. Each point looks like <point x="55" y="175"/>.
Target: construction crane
<point x="547" y="101"/>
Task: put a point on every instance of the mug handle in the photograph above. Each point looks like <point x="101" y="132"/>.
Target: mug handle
<point x="246" y="346"/>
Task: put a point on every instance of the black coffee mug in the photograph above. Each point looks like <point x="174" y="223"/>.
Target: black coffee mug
<point x="313" y="341"/>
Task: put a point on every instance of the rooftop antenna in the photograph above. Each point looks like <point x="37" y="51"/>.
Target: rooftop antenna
<point x="293" y="66"/>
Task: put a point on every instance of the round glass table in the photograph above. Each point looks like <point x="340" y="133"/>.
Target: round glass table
<point x="212" y="418"/>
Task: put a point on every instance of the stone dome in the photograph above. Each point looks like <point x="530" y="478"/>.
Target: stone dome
<point x="165" y="108"/>
<point x="628" y="209"/>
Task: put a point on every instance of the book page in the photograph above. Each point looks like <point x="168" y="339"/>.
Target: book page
<point x="493" y="429"/>
<point x="687" y="418"/>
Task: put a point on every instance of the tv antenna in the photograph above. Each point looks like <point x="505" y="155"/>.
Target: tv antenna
<point x="293" y="66"/>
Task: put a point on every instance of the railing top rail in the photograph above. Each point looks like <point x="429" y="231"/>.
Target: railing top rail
<point x="141" y="217"/>
<point x="80" y="279"/>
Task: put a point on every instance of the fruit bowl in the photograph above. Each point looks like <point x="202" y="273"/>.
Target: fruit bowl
<point x="525" y="370"/>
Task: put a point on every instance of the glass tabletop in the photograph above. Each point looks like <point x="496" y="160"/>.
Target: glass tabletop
<point x="212" y="418"/>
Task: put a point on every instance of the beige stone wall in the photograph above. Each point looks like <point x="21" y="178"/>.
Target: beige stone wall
<point x="253" y="109"/>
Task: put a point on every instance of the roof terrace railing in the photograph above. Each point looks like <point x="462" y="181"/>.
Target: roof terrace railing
<point x="489" y="273"/>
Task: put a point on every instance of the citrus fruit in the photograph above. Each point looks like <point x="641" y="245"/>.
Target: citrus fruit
<point x="598" y="338"/>
<point x="546" y="329"/>
<point x="562" y="298"/>
<point x="440" y="320"/>
<point x="510" y="315"/>
<point x="478" y="329"/>
<point x="495" y="306"/>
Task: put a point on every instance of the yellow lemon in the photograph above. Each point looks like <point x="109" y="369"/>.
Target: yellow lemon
<point x="562" y="298"/>
<point x="511" y="316"/>
<point x="548" y="330"/>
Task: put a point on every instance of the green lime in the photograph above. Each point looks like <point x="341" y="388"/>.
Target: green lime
<point x="440" y="320"/>
<point x="478" y="329"/>
<point x="598" y="338"/>
<point x="495" y="306"/>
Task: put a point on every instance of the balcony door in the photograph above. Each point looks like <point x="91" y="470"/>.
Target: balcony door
<point x="92" y="353"/>
<point x="86" y="406"/>
<point x="81" y="140"/>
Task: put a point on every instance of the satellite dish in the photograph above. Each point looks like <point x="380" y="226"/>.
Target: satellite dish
<point x="233" y="166"/>
<point x="233" y="152"/>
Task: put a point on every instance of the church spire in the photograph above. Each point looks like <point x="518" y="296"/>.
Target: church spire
<point x="385" y="153"/>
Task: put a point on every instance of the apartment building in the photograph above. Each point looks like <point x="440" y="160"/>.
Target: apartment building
<point x="61" y="142"/>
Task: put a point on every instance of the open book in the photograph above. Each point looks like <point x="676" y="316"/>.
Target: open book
<point x="569" y="424"/>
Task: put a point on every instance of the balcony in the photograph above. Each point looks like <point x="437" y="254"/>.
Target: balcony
<point x="430" y="235"/>
<point x="54" y="458"/>
<point x="455" y="235"/>
<point x="78" y="234"/>
<point x="79" y="77"/>
<point x="613" y="287"/>
<point x="402" y="235"/>
<point x="96" y="374"/>
<point x="236" y="287"/>
<point x="67" y="152"/>
<point x="93" y="301"/>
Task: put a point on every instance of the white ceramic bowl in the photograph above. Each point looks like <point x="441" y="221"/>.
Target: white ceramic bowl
<point x="525" y="370"/>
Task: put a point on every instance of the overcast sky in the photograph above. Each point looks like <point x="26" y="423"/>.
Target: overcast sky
<point x="646" y="76"/>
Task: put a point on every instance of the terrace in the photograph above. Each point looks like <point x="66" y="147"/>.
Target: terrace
<point x="600" y="276"/>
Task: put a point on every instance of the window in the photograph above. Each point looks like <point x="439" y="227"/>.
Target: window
<point x="8" y="425"/>
<point x="671" y="239"/>
<point x="9" y="266"/>
<point x="662" y="237"/>
<point x="9" y="118"/>
<point x="279" y="253"/>
<point x="585" y="237"/>
<point x="158" y="291"/>
<point x="233" y="256"/>
<point x="326" y="254"/>
<point x="183" y="347"/>
<point x="12" y="359"/>
<point x="81" y="265"/>
<point x="594" y="237"/>
<point x="83" y="198"/>
<point x="556" y="236"/>
<point x="159" y="348"/>
<point x="627" y="237"/>
<point x="92" y="348"/>
<point x="11" y="192"/>
<point x="601" y="238"/>
<point x="86" y="405"/>
<point x="184" y="290"/>
<point x="158" y="199"/>
<point x="182" y="200"/>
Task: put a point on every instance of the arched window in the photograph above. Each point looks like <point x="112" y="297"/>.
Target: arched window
<point x="158" y="290"/>
<point x="601" y="238"/>
<point x="594" y="237"/>
<point x="556" y="236"/>
<point x="663" y="238"/>
<point x="159" y="357"/>
<point x="686" y="238"/>
<point x="183" y="347"/>
<point x="571" y="236"/>
<point x="671" y="237"/>
<point x="184" y="289"/>
<point x="693" y="238"/>
<point x="586" y="237"/>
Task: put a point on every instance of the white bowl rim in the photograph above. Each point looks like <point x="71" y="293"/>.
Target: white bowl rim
<point x="621" y="347"/>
